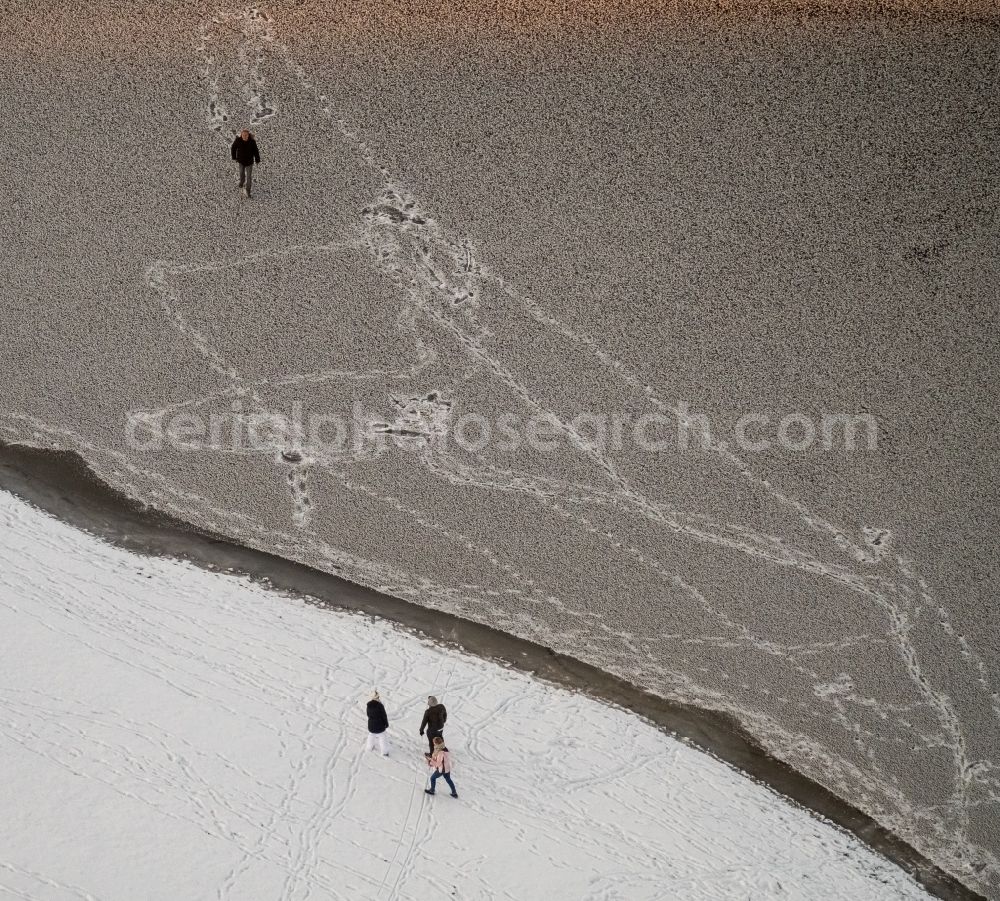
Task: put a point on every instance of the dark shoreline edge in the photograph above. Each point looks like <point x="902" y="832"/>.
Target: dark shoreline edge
<point x="62" y="484"/>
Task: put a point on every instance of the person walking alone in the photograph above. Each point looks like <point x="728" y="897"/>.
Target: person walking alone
<point x="245" y="153"/>
<point x="441" y="761"/>
<point x="435" y="716"/>
<point x="378" y="726"/>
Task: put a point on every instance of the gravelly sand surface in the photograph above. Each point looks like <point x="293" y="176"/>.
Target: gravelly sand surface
<point x="738" y="213"/>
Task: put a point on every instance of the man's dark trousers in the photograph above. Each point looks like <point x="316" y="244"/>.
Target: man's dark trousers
<point x="246" y="176"/>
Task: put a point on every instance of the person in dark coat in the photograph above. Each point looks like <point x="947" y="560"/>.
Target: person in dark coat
<point x="245" y="153"/>
<point x="435" y="716"/>
<point x="378" y="726"/>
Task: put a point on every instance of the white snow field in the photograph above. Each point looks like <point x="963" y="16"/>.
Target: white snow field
<point x="168" y="732"/>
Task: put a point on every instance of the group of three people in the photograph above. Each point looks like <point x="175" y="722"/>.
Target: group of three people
<point x="438" y="756"/>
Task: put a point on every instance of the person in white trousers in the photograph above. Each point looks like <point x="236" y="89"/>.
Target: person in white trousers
<point x="378" y="726"/>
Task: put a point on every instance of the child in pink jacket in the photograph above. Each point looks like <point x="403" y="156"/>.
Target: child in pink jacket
<point x="441" y="761"/>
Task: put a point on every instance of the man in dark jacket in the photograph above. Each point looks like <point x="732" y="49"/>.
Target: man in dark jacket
<point x="246" y="154"/>
<point x="378" y="726"/>
<point x="435" y="716"/>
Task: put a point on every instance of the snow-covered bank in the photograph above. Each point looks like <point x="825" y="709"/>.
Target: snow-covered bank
<point x="173" y="733"/>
